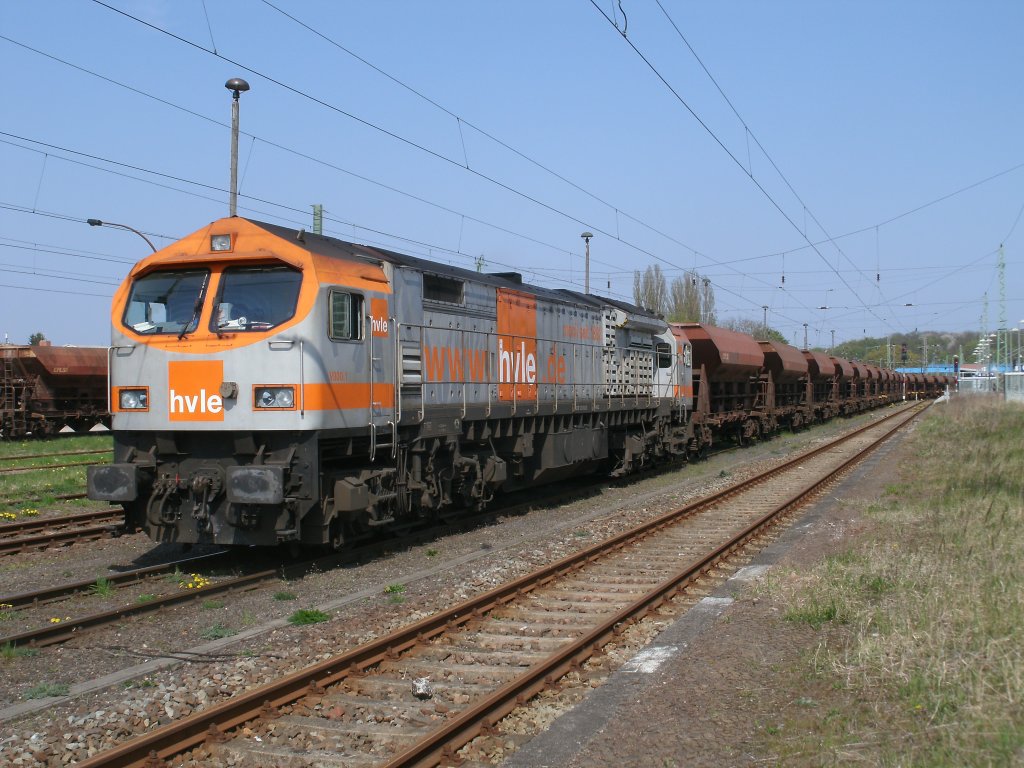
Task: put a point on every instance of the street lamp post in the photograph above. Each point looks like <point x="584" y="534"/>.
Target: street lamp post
<point x="830" y="349"/>
<point x="586" y="274"/>
<point x="765" y="308"/>
<point x="805" y="335"/>
<point x="99" y="223"/>
<point x="237" y="86"/>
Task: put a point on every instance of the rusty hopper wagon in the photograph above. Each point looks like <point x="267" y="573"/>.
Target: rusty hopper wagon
<point x="45" y="390"/>
<point x="787" y="369"/>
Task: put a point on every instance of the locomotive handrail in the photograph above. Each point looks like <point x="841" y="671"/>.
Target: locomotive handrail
<point x="398" y="376"/>
<point x="368" y="323"/>
<point x="462" y="337"/>
<point x="302" y="380"/>
<point x="489" y="373"/>
<point x="515" y="391"/>
<point x="110" y="364"/>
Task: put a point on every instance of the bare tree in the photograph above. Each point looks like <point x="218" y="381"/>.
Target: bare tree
<point x="754" y="328"/>
<point x="684" y="299"/>
<point x="650" y="289"/>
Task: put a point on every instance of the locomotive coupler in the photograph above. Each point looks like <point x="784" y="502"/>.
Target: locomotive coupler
<point x="204" y="486"/>
<point x="165" y="514"/>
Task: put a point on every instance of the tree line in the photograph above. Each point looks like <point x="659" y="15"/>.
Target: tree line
<point x="687" y="299"/>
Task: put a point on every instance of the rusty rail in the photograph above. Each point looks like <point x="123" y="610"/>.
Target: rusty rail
<point x="113" y="526"/>
<point x="190" y="732"/>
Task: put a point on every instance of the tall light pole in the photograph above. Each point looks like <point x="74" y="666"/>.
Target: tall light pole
<point x="98" y="223"/>
<point x="805" y="335"/>
<point x="833" y="331"/>
<point x="586" y="273"/>
<point x="765" y="308"/>
<point x="237" y="85"/>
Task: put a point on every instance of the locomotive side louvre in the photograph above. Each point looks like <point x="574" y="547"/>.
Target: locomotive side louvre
<point x="271" y="385"/>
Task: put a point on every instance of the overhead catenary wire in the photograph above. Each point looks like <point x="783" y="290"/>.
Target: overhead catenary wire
<point x="731" y="155"/>
<point x="462" y="120"/>
<point x="199" y="35"/>
<point x="369" y="124"/>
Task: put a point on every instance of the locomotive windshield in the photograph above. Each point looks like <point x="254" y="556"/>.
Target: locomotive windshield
<point x="166" y="302"/>
<point x="255" y="298"/>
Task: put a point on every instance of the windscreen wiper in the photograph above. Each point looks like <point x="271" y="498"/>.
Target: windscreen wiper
<point x="196" y="309"/>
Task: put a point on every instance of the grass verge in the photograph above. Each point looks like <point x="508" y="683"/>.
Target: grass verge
<point x="922" y="651"/>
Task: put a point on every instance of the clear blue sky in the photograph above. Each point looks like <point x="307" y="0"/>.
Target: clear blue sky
<point x="872" y="111"/>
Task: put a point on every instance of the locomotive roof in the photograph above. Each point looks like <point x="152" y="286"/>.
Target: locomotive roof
<point x="333" y="247"/>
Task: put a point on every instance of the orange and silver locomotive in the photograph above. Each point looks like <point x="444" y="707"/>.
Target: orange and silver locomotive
<point x="270" y="385"/>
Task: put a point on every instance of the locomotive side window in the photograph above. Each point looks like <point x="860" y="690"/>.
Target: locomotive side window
<point x="664" y="355"/>
<point x="168" y="301"/>
<point x="437" y="288"/>
<point x="346" y="313"/>
<point x="256" y="298"/>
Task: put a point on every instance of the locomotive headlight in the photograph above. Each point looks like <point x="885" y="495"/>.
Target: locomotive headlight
<point x="220" y="243"/>
<point x="133" y="399"/>
<point x="274" y="397"/>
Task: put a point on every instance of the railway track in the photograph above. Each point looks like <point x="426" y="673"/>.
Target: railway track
<point x="73" y="627"/>
<point x="32" y="456"/>
<point x="41" y="467"/>
<point x="124" y="578"/>
<point x="7" y="502"/>
<point x="419" y="694"/>
<point x="22" y="536"/>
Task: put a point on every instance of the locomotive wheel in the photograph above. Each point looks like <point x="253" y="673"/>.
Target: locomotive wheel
<point x="335" y="536"/>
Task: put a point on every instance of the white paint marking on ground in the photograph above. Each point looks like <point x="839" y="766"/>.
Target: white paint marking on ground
<point x="751" y="572"/>
<point x="716" y="601"/>
<point x="649" y="659"/>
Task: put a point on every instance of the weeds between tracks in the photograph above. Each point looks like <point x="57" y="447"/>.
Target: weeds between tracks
<point x="921" y="618"/>
<point x="39" y="488"/>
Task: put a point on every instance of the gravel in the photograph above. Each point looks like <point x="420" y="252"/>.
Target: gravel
<point x="130" y="678"/>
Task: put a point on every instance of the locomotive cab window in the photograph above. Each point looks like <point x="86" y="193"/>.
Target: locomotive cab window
<point x="345" y="312"/>
<point x="168" y="301"/>
<point x="255" y="298"/>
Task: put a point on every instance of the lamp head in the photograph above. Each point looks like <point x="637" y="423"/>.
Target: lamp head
<point x="238" y="85"/>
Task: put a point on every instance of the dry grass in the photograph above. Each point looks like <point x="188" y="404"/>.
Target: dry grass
<point x="925" y="649"/>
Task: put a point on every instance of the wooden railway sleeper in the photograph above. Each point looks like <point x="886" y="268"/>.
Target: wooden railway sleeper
<point x="463" y="725"/>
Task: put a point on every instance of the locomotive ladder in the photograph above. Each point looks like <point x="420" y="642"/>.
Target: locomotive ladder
<point x="18" y="420"/>
<point x="374" y="405"/>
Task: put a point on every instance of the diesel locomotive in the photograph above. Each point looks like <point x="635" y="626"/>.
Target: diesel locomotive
<point x="270" y="386"/>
